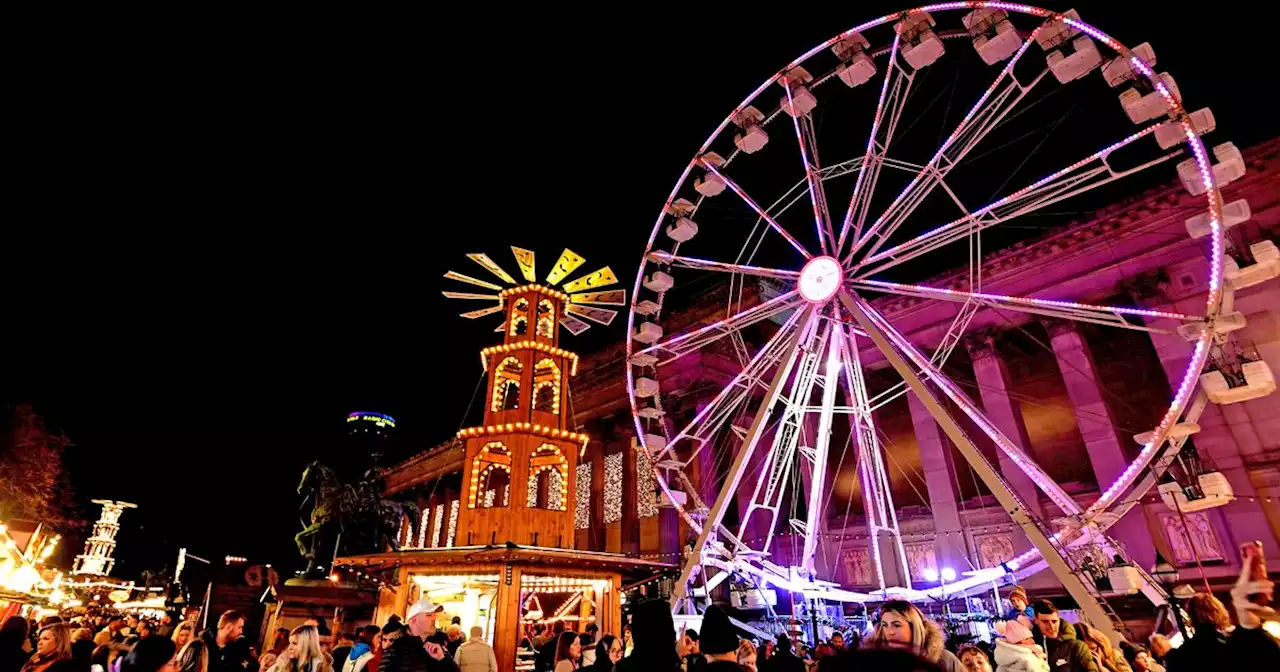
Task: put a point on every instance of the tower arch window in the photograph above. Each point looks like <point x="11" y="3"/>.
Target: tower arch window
<point x="548" y="476"/>
<point x="490" y="477"/>
<point x="520" y="318"/>
<point x="546" y="319"/>
<point x="546" y="386"/>
<point x="506" y="387"/>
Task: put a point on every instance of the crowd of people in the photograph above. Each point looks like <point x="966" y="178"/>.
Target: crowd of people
<point x="1033" y="638"/>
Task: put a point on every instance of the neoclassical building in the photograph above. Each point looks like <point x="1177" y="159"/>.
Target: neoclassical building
<point x="1072" y="396"/>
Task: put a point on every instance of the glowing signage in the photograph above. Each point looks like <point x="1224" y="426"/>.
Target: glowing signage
<point x="379" y="419"/>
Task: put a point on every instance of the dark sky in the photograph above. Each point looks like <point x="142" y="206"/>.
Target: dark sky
<point x="231" y="229"/>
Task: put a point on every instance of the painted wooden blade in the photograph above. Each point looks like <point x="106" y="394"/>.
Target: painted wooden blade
<point x="482" y="312"/>
<point x="469" y="295"/>
<point x="601" y="278"/>
<point x="573" y="324"/>
<point x="525" y="259"/>
<point x="492" y="267"/>
<point x="610" y="297"/>
<point x="470" y="280"/>
<point x="598" y="315"/>
<point x="566" y="264"/>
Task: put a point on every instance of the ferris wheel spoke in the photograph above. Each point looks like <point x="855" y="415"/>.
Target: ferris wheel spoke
<point x="865" y="313"/>
<point x="1077" y="178"/>
<point x="808" y="141"/>
<point x="729" y="490"/>
<point x="697" y="339"/>
<point x="893" y="95"/>
<point x="1111" y="316"/>
<point x="723" y="267"/>
<point x="773" y="223"/>
<point x="997" y="101"/>
<point x="711" y="419"/>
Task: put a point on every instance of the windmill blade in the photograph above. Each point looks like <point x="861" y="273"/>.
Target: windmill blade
<point x="470" y="280"/>
<point x="482" y="312"/>
<point x="573" y="324"/>
<point x="568" y="262"/>
<point x="601" y="278"/>
<point x="611" y="297"/>
<point x="469" y="295"/>
<point x="525" y="259"/>
<point x="597" y="315"/>
<point x="491" y="266"/>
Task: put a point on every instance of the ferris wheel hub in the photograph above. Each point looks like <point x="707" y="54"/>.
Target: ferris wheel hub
<point x="820" y="279"/>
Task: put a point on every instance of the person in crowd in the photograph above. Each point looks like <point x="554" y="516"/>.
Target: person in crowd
<point x="165" y="629"/>
<point x="454" y="639"/>
<point x="182" y="633"/>
<point x="902" y="626"/>
<point x="719" y="642"/>
<point x="783" y="659"/>
<point x="422" y="647"/>
<point x="144" y="629"/>
<point x="223" y="643"/>
<point x="14" y="644"/>
<point x="747" y="655"/>
<point x="1207" y="648"/>
<point x="357" y="659"/>
<point x="131" y="625"/>
<point x="1250" y="645"/>
<point x="82" y="646"/>
<point x="974" y="659"/>
<point x="194" y="657"/>
<point x="693" y="660"/>
<point x="837" y="641"/>
<point x="1020" y="607"/>
<point x="608" y="651"/>
<point x="1139" y="658"/>
<point x="545" y="661"/>
<point x="1160" y="647"/>
<point x="588" y="643"/>
<point x="53" y="650"/>
<point x="1058" y="639"/>
<point x="568" y="651"/>
<point x="152" y="654"/>
<point x="653" y="634"/>
<point x="304" y="653"/>
<point x="476" y="655"/>
<point x="1017" y="650"/>
<point x="1106" y="657"/>
<point x="342" y="649"/>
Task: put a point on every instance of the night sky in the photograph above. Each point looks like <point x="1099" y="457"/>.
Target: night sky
<point x="231" y="229"/>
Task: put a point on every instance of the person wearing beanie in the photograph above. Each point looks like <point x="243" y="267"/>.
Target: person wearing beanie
<point x="719" y="642"/>
<point x="1017" y="650"/>
<point x="783" y="659"/>
<point x="1021" y="606"/>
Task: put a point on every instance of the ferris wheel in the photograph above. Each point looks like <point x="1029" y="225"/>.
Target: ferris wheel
<point x="821" y="193"/>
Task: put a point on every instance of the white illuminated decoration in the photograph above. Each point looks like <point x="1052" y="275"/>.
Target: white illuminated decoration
<point x="489" y="496"/>
<point x="436" y="525"/>
<point x="422" y="528"/>
<point x="582" y="507"/>
<point x="97" y="558"/>
<point x="613" y="488"/>
<point x="820" y="279"/>
<point x="555" y="490"/>
<point x="453" y="522"/>
<point x="646" y="504"/>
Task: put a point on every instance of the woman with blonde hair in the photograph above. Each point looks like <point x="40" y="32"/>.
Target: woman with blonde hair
<point x="53" y="650"/>
<point x="183" y="634"/>
<point x="747" y="655"/>
<point x="304" y="653"/>
<point x="902" y="626"/>
<point x="1106" y="656"/>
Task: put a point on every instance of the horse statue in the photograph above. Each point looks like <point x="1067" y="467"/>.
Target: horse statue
<point x="364" y="522"/>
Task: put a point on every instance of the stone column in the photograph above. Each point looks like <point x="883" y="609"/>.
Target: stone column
<point x="1097" y="428"/>
<point x="939" y="476"/>
<point x="991" y="372"/>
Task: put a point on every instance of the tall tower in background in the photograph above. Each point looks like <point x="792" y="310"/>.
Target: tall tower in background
<point x="371" y="434"/>
<point x="98" y="559"/>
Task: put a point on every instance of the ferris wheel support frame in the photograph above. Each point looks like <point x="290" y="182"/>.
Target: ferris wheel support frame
<point x="1003" y="493"/>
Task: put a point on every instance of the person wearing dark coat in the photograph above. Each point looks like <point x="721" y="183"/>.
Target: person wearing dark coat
<point x="421" y="648"/>
<point x="13" y="638"/>
<point x="653" y="633"/>
<point x="1065" y="650"/>
<point x="719" y="642"/>
<point x="783" y="660"/>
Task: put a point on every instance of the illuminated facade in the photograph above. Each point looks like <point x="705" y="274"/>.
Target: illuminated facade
<point x="99" y="549"/>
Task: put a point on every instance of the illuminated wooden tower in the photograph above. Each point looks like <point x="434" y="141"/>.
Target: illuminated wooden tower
<point x="517" y="484"/>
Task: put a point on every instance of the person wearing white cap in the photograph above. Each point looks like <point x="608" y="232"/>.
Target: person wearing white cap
<point x="423" y="648"/>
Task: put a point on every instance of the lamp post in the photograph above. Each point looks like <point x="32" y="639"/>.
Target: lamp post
<point x="1167" y="575"/>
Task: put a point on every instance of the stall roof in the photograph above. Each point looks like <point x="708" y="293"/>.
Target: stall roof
<point x="510" y="554"/>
